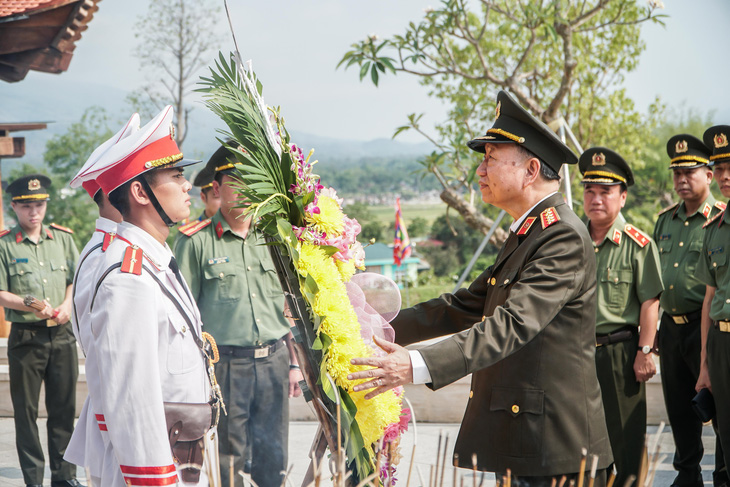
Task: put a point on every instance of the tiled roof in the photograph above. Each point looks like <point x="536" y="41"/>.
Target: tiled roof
<point x="15" y="7"/>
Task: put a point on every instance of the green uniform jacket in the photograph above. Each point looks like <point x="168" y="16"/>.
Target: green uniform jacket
<point x="713" y="268"/>
<point x="525" y="330"/>
<point x="43" y="270"/>
<point x="233" y="281"/>
<point x="679" y="238"/>
<point x="628" y="274"/>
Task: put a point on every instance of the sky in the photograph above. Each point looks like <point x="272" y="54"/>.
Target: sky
<point x="296" y="45"/>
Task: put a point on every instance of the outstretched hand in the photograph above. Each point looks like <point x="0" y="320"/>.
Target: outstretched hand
<point x="391" y="371"/>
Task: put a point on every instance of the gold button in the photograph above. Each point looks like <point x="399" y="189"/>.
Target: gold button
<point x="493" y="281"/>
<point x="686" y="224"/>
<point x="596" y="249"/>
<point x="184" y="329"/>
<point x="714" y="264"/>
<point x="248" y="268"/>
<point x="515" y="408"/>
<point x="506" y="281"/>
<point x="258" y="320"/>
<point x="221" y="275"/>
<point x="253" y="295"/>
<point x="21" y="272"/>
<point x="676" y="264"/>
<point x="615" y="279"/>
<point x="40" y="263"/>
<point x="45" y="281"/>
<point x="674" y="309"/>
<point x="681" y="244"/>
<point x="661" y="249"/>
<point x="727" y="301"/>
<point x="671" y="286"/>
<point x="471" y="394"/>
<point x="484" y="317"/>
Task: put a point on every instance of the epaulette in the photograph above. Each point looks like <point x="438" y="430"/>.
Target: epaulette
<point x="132" y="261"/>
<point x="193" y="227"/>
<point x="4" y="232"/>
<point x="720" y="205"/>
<point x="636" y="235"/>
<point x="59" y="227"/>
<point x="709" y="222"/>
<point x="548" y="217"/>
<point x="668" y="208"/>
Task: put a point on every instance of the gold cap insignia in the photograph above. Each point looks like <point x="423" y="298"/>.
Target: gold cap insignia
<point x="720" y="141"/>
<point x="172" y="131"/>
<point x="34" y="185"/>
<point x="498" y="110"/>
<point x="681" y="146"/>
<point x="599" y="159"/>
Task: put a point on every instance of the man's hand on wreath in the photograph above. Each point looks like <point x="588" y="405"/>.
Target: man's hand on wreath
<point x="391" y="371"/>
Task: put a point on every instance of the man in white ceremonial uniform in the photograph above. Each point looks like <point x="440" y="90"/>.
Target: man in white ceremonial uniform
<point x="83" y="449"/>
<point x="144" y="355"/>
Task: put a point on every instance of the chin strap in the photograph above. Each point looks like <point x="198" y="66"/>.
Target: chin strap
<point x="155" y="203"/>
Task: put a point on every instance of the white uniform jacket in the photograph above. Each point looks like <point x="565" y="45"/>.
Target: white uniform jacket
<point x="141" y="353"/>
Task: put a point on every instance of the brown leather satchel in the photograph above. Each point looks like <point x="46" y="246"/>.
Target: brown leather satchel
<point x="187" y="424"/>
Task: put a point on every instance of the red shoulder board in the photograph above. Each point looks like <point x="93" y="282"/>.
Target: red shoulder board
<point x="706" y="210"/>
<point x="668" y="208"/>
<point x="108" y="239"/>
<point x="709" y="222"/>
<point x="548" y="217"/>
<point x="59" y="227"/>
<point x="132" y="261"/>
<point x="523" y="229"/>
<point x="720" y="205"/>
<point x="3" y="233"/>
<point x="193" y="227"/>
<point x="636" y="235"/>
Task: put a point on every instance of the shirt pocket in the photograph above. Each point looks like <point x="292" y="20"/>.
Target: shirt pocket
<point x="718" y="261"/>
<point x="693" y="256"/>
<point x="665" y="246"/>
<point x="518" y="420"/>
<point x="224" y="280"/>
<point x="59" y="270"/>
<point x="270" y="278"/>
<point x="24" y="280"/>
<point x="183" y="355"/>
<point x="617" y="283"/>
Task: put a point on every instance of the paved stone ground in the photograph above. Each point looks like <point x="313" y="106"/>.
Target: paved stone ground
<point x="302" y="433"/>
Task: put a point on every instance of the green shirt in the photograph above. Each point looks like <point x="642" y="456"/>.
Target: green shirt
<point x="234" y="283"/>
<point x="679" y="238"/>
<point x="628" y="274"/>
<point x="713" y="268"/>
<point x="43" y="270"/>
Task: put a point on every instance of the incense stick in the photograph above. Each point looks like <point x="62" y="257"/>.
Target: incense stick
<point x="443" y="461"/>
<point x="594" y="466"/>
<point x="582" y="468"/>
<point x="474" y="467"/>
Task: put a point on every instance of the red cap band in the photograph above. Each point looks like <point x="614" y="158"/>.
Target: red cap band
<point x="91" y="187"/>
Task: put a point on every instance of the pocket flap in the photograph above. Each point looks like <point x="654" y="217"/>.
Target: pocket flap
<point x="517" y="401"/>
<point x="219" y="271"/>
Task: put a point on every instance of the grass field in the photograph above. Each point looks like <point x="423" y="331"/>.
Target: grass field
<point x="386" y="214"/>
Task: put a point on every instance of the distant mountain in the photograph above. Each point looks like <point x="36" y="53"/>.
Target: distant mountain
<point x="37" y="99"/>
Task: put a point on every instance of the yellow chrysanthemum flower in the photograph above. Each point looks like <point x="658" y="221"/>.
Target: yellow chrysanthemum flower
<point x="330" y="218"/>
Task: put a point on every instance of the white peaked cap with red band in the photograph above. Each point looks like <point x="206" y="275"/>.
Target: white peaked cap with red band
<point x="151" y="147"/>
<point x="90" y="185"/>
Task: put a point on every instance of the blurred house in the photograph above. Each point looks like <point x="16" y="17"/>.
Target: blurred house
<point x="379" y="259"/>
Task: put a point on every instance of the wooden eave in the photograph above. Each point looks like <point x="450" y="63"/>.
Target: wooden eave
<point x="42" y="39"/>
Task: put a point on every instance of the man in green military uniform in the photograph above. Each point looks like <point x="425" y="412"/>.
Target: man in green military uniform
<point x="629" y="285"/>
<point x="234" y="282"/>
<point x="713" y="269"/>
<point x="524" y="328"/>
<point x="211" y="200"/>
<point x="39" y="260"/>
<point x="678" y="233"/>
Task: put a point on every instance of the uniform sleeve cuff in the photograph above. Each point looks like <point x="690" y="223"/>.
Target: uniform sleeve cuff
<point x="421" y="375"/>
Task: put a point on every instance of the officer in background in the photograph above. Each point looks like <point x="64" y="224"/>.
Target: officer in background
<point x="233" y="280"/>
<point x="678" y="233"/>
<point x="211" y="200"/>
<point x="713" y="269"/>
<point x="39" y="260"/>
<point x="629" y="285"/>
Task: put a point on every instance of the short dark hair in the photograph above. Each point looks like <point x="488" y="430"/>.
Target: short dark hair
<point x="119" y="197"/>
<point x="99" y="198"/>
<point x="547" y="172"/>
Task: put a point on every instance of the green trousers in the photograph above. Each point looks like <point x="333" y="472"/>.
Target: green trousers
<point x="679" y="356"/>
<point x="624" y="402"/>
<point x="718" y="364"/>
<point x="256" y="393"/>
<point x="43" y="355"/>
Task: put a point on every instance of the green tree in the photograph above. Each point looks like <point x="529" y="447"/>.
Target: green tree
<point x="418" y="227"/>
<point x="371" y="230"/>
<point x="559" y="58"/>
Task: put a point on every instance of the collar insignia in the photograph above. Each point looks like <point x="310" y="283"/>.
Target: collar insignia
<point x="498" y="110"/>
<point x="720" y="141"/>
<point x="706" y="210"/>
<point x="681" y="146"/>
<point x="34" y="185"/>
<point x="526" y="225"/>
<point x="219" y="229"/>
<point x="616" y="237"/>
<point x="599" y="159"/>
<point x="18" y="237"/>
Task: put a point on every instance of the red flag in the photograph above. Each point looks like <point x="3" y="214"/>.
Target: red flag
<point x="401" y="242"/>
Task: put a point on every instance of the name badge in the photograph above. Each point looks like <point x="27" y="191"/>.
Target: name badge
<point x="716" y="250"/>
<point x="218" y="260"/>
<point x="666" y="236"/>
<point x="19" y="261"/>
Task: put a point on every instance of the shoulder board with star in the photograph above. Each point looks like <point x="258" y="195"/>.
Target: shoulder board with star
<point x="668" y="208"/>
<point x="636" y="235"/>
<point x="713" y="219"/>
<point x="132" y="260"/>
<point x="548" y="217"/>
<point x="56" y="226"/>
<point x="4" y="232"/>
<point x="194" y="227"/>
